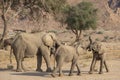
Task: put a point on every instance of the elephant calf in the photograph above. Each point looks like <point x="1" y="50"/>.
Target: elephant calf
<point x="66" y="54"/>
<point x="98" y="51"/>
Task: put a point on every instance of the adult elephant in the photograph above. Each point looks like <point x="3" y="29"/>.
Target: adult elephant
<point x="29" y="44"/>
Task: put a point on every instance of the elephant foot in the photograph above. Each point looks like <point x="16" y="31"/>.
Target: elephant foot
<point x="79" y="74"/>
<point x="19" y="70"/>
<point x="107" y="71"/>
<point x="39" y="70"/>
<point x="60" y="75"/>
<point x="49" y="70"/>
<point x="53" y="75"/>
<point x="100" y="72"/>
<point x="90" y="72"/>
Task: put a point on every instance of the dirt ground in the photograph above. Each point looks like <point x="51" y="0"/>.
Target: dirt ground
<point x="113" y="60"/>
<point x="30" y="64"/>
<point x="107" y="19"/>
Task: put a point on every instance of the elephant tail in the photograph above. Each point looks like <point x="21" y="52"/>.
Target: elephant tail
<point x="10" y="56"/>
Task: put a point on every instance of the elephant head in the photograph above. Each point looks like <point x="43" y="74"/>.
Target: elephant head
<point x="5" y="42"/>
<point x="51" y="41"/>
<point x="93" y="46"/>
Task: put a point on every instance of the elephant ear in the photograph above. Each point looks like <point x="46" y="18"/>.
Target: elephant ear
<point x="49" y="39"/>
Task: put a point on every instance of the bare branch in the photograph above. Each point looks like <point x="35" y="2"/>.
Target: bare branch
<point x="14" y="15"/>
<point x="8" y="7"/>
<point x="73" y="31"/>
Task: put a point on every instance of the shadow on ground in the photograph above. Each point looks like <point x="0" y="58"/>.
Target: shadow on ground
<point x="44" y="74"/>
<point x="5" y="69"/>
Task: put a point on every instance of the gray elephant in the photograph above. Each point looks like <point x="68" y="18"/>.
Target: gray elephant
<point x="29" y="44"/>
<point x="65" y="53"/>
<point x="99" y="54"/>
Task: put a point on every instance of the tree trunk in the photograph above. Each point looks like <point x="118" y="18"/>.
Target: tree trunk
<point x="78" y="36"/>
<point x="5" y="26"/>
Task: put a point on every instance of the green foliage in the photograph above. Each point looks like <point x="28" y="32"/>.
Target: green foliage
<point x="55" y="7"/>
<point x="82" y="16"/>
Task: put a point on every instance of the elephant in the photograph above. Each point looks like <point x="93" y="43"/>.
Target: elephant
<point x="66" y="53"/>
<point x="27" y="45"/>
<point x="8" y="42"/>
<point x="4" y="43"/>
<point x="99" y="54"/>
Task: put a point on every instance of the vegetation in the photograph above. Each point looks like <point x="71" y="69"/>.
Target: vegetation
<point x="78" y="18"/>
<point x="81" y="17"/>
<point x="30" y="9"/>
<point x="37" y="8"/>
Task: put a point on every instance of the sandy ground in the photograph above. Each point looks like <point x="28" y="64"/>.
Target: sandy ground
<point x="114" y="74"/>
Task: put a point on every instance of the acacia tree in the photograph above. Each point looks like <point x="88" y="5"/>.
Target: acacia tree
<point x="81" y="17"/>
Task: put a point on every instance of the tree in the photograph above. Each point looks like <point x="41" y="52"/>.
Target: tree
<point x="81" y="17"/>
<point x="32" y="9"/>
<point x="5" y="7"/>
<point x="30" y="6"/>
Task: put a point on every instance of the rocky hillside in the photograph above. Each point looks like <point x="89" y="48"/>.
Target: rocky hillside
<point x="108" y="17"/>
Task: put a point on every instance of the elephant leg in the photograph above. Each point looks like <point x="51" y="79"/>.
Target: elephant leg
<point x="92" y="65"/>
<point x="39" y="62"/>
<point x="54" y="71"/>
<point x="19" y="62"/>
<point x="19" y="56"/>
<point x="47" y="60"/>
<point x="45" y="54"/>
<point x="23" y="65"/>
<point x="59" y="61"/>
<point x="106" y="66"/>
<point x="101" y="66"/>
<point x="78" y="69"/>
<point x="72" y="67"/>
<point x="60" y="71"/>
<point x="19" y="66"/>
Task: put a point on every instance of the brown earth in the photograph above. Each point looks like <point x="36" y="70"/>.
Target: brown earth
<point x="113" y="60"/>
<point x="6" y="74"/>
<point x="108" y="32"/>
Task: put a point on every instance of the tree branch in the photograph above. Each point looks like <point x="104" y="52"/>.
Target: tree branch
<point x="73" y="31"/>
